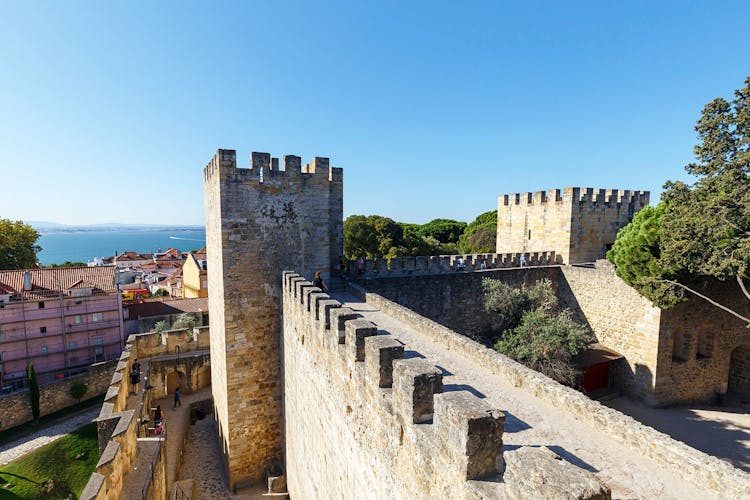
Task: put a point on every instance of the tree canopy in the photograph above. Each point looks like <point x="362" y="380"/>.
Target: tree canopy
<point x="443" y="230"/>
<point x="702" y="229"/>
<point x="18" y="246"/>
<point x="534" y="330"/>
<point x="480" y="235"/>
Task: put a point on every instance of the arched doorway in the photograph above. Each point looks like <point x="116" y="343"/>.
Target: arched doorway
<point x="739" y="371"/>
<point x="175" y="380"/>
<point x="204" y="376"/>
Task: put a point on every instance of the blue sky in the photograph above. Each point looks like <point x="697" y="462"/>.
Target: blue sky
<point x="110" y="110"/>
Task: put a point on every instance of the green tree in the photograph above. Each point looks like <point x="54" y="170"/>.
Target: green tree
<point x="78" y="390"/>
<point x="33" y="390"/>
<point x="18" y="246"/>
<point x="547" y="342"/>
<point x="704" y="230"/>
<point x="534" y="330"/>
<point x="185" y="321"/>
<point x="443" y="230"/>
<point x="636" y="254"/>
<point x="372" y="236"/>
<point x="480" y="235"/>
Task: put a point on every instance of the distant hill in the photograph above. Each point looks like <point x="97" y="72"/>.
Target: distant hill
<point x="54" y="227"/>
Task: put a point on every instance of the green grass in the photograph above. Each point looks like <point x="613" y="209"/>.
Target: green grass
<point x="14" y="433"/>
<point x="57" y="461"/>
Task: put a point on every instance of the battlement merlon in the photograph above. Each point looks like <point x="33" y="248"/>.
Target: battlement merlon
<point x="579" y="195"/>
<point x="263" y="165"/>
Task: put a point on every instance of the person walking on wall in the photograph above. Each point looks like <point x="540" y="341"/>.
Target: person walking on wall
<point x="360" y="266"/>
<point x="523" y="260"/>
<point x="176" y="398"/>
<point x="318" y="281"/>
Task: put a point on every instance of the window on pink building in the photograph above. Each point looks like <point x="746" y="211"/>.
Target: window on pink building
<point x="97" y="317"/>
<point x="42" y="329"/>
<point x="79" y="319"/>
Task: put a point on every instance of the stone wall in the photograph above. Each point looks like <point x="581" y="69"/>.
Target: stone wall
<point x="455" y="299"/>
<point x="118" y="427"/>
<point x="665" y="351"/>
<point x="739" y="372"/>
<point x="362" y="421"/>
<point x="576" y="223"/>
<point x="260" y="221"/>
<point x="622" y="319"/>
<point x="696" y="343"/>
<point x="16" y="407"/>
<point x="441" y="264"/>
<point x="694" y="466"/>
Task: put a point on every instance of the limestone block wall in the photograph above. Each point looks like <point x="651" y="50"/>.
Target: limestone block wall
<point x="576" y="223"/>
<point x="534" y="222"/>
<point x="440" y="264"/>
<point x="697" y="341"/>
<point x="696" y="467"/>
<point x="622" y="320"/>
<point x="455" y="299"/>
<point x="260" y="221"/>
<point x="363" y="422"/>
<point x="117" y="426"/>
<point x="16" y="407"/>
<point x="597" y="216"/>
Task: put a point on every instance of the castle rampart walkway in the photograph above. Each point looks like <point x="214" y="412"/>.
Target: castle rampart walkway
<point x="534" y="422"/>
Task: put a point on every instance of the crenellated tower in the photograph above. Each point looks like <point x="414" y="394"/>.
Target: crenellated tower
<point x="578" y="224"/>
<point x="259" y="222"/>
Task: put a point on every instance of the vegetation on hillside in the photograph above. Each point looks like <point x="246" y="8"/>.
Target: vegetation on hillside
<point x="534" y="330"/>
<point x="375" y="236"/>
<point x="702" y="229"/>
<point x="60" y="469"/>
<point x="18" y="246"/>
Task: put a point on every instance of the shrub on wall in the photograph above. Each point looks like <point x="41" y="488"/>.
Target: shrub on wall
<point x="535" y="330"/>
<point x="33" y="391"/>
<point x="78" y="389"/>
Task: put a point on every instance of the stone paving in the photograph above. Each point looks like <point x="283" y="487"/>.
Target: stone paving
<point x="202" y="463"/>
<point x="16" y="449"/>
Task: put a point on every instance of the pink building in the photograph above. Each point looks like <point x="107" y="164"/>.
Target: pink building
<point x="61" y="319"/>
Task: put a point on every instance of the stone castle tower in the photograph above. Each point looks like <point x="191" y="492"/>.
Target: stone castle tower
<point x="259" y="222"/>
<point x="578" y="224"/>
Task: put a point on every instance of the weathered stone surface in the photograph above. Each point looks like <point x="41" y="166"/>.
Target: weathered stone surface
<point x="539" y="473"/>
<point x="473" y="430"/>
<point x="355" y="331"/>
<point x="259" y="222"/>
<point x="380" y="353"/>
<point x="415" y="382"/>
<point x="576" y="223"/>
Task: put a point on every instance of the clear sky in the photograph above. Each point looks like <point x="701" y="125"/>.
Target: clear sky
<point x="110" y="110"/>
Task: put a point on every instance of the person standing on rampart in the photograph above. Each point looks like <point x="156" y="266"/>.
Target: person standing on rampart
<point x="134" y="379"/>
<point x="318" y="281"/>
<point x="360" y="266"/>
<point x="523" y="260"/>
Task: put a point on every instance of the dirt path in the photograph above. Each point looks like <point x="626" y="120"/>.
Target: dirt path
<point x="532" y="422"/>
<point x="16" y="449"/>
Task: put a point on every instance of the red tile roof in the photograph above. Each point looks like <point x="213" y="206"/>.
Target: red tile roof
<point x="161" y="307"/>
<point x="47" y="282"/>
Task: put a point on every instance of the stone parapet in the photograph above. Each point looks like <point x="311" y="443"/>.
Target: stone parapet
<point x="577" y="195"/>
<point x="692" y="465"/>
<point x="439" y="264"/>
<point x="16" y="409"/>
<point x="379" y="419"/>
